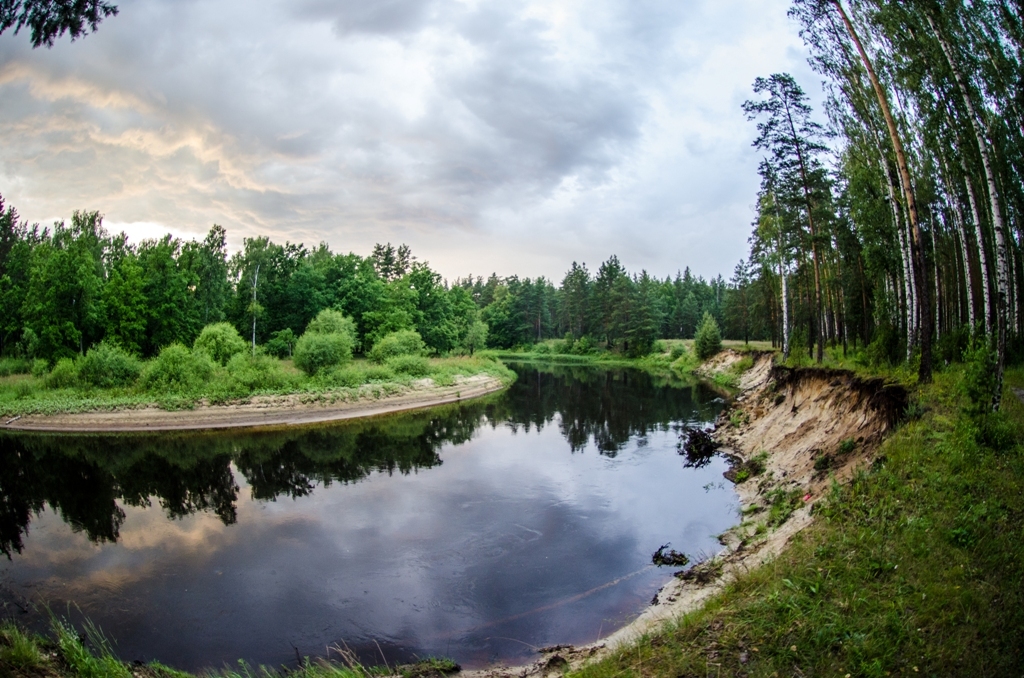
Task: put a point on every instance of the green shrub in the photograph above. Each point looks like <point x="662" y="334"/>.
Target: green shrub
<point x="708" y="340"/>
<point x="403" y="342"/>
<point x="9" y="366"/>
<point x="315" y="351"/>
<point x="220" y="341"/>
<point x="281" y="343"/>
<point x="178" y="369"/>
<point x="106" y="366"/>
<point x="63" y="375"/>
<point x="348" y="377"/>
<point x="541" y="349"/>
<point x="583" y="346"/>
<point x="330" y="321"/>
<point x="678" y="351"/>
<point x="378" y="373"/>
<point x="40" y="367"/>
<point x="257" y="373"/>
<point x="413" y="365"/>
<point x="979" y="382"/>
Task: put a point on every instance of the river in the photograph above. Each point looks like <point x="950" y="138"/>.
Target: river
<point x="480" y="531"/>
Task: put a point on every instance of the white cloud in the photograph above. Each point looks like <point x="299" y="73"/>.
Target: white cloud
<point x="489" y="135"/>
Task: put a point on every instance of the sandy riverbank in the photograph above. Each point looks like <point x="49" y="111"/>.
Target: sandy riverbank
<point x="260" y="411"/>
<point x="789" y="421"/>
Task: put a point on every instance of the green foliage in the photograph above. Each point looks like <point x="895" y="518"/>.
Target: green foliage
<point x="403" y="342"/>
<point x="708" y="340"/>
<point x="220" y="341"/>
<point x="413" y="365"/>
<point x="979" y="383"/>
<point x="678" y="350"/>
<point x="107" y="366"/>
<point x="18" y="651"/>
<point x="258" y="373"/>
<point x="82" y="662"/>
<point x="315" y="351"/>
<point x="328" y="342"/>
<point x="281" y="343"/>
<point x="476" y="337"/>
<point x="178" y="370"/>
<point x="63" y="375"/>
<point x="9" y="366"/>
<point x="40" y="368"/>
<point x="330" y="321"/>
<point x="378" y="373"/>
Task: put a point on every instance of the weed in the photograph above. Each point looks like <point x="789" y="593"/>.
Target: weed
<point x="18" y="650"/>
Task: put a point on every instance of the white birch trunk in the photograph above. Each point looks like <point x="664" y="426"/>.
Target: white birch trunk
<point x="997" y="214"/>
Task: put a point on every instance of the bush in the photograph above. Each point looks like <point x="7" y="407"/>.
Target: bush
<point x="220" y="341"/>
<point x="63" y="375"/>
<point x="678" y="351"/>
<point x="257" y="373"/>
<point x="583" y="346"/>
<point x="378" y="373"/>
<point x="413" y="365"/>
<point x="349" y="377"/>
<point x="979" y="382"/>
<point x="106" y="366"/>
<point x="708" y="340"/>
<point x="178" y="369"/>
<point x="403" y="342"/>
<point x="315" y="351"/>
<point x="281" y="343"/>
<point x="330" y="321"/>
<point x="9" y="366"/>
<point x="40" y="368"/>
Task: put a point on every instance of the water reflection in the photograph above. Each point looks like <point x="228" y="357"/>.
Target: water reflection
<point x="85" y="478"/>
<point x="181" y="547"/>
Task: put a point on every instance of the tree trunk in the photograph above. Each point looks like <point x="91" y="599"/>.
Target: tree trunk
<point x="997" y="214"/>
<point x="925" y="371"/>
<point x="979" y="234"/>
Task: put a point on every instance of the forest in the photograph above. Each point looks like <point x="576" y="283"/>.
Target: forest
<point x="894" y="221"/>
<point x="73" y="286"/>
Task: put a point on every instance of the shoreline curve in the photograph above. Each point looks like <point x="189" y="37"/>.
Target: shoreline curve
<point x="258" y="412"/>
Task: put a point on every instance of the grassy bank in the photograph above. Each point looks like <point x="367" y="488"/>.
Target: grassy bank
<point x="56" y="392"/>
<point x="914" y="568"/>
<point x="66" y="653"/>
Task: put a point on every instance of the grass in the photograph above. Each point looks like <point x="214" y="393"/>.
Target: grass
<point x="914" y="568"/>
<point x="22" y="394"/>
<point x="70" y="654"/>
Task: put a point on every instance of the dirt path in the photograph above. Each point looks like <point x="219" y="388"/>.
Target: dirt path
<point x="803" y="427"/>
<point x="261" y="411"/>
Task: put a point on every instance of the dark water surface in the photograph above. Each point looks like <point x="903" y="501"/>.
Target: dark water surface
<point x="479" y="531"/>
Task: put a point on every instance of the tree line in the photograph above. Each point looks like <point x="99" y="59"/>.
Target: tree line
<point x="895" y="222"/>
<point x="74" y="285"/>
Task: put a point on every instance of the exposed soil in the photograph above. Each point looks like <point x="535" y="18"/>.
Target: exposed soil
<point x="287" y="410"/>
<point x="791" y="431"/>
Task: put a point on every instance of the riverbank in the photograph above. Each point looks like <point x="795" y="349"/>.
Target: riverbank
<point x="113" y="410"/>
<point x="791" y="434"/>
<point x="905" y="559"/>
<point x="265" y="411"/>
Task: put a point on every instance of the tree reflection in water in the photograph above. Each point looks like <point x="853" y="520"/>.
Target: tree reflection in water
<point x="86" y="479"/>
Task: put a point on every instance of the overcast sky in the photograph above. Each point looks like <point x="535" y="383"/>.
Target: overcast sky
<point x="489" y="135"/>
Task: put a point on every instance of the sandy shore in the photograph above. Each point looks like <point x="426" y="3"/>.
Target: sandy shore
<point x="260" y="411"/>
